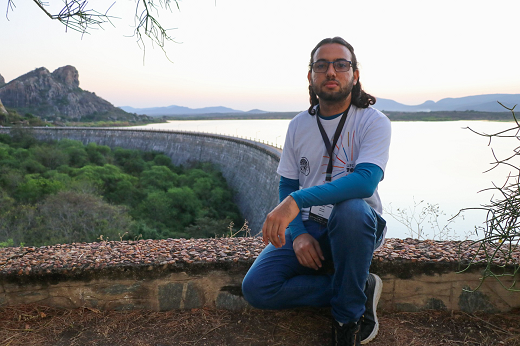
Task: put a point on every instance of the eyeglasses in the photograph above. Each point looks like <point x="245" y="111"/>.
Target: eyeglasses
<point x="340" y="65"/>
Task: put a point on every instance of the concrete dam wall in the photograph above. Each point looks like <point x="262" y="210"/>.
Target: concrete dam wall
<point x="249" y="167"/>
<point x="173" y="274"/>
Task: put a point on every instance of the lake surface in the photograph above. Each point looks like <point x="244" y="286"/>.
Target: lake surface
<point x="440" y="163"/>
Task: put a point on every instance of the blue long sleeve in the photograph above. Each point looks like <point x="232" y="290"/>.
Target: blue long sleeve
<point x="285" y="188"/>
<point x="361" y="183"/>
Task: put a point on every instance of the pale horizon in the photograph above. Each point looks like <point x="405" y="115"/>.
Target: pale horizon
<point x="254" y="55"/>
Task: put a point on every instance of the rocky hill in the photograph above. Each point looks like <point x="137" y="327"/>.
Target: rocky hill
<point x="57" y="96"/>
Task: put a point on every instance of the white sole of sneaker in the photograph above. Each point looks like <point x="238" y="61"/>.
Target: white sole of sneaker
<point x="377" y="295"/>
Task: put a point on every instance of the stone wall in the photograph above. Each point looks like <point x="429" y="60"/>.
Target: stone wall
<point x="220" y="288"/>
<point x="169" y="291"/>
<point x="194" y="273"/>
<point x="249" y="167"/>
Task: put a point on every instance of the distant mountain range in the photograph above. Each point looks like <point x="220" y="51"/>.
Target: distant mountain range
<point x="179" y="110"/>
<point x="479" y="103"/>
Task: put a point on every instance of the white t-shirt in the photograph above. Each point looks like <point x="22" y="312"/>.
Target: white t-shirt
<point x="365" y="139"/>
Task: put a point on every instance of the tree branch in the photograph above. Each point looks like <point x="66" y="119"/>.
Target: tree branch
<point x="77" y="15"/>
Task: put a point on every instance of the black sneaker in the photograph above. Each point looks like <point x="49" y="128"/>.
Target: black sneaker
<point x="369" y="323"/>
<point x="345" y="335"/>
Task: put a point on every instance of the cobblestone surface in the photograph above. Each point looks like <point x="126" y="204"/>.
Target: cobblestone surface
<point x="81" y="256"/>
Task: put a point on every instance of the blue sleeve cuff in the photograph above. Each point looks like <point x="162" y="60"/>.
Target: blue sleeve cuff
<point x="361" y="183"/>
<point x="285" y="188"/>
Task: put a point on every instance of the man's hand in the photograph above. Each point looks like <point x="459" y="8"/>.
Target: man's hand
<point x="277" y="221"/>
<point x="308" y="251"/>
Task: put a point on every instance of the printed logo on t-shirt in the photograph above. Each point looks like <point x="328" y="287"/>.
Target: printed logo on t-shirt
<point x="304" y="166"/>
<point x="343" y="154"/>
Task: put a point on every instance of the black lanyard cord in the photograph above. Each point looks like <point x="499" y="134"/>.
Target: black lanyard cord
<point x="330" y="148"/>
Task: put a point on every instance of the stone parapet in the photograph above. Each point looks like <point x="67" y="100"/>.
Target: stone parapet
<point x="193" y="273"/>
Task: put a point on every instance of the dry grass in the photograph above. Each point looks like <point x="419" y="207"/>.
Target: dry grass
<point x="39" y="325"/>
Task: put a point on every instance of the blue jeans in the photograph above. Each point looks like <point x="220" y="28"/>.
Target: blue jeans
<point x="276" y="280"/>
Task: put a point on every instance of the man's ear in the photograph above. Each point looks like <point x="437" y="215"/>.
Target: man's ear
<point x="356" y="77"/>
<point x="309" y="77"/>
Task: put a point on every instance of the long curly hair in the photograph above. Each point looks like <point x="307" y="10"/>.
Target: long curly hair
<point x="360" y="98"/>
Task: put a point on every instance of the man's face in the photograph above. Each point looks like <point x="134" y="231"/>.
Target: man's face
<point x="333" y="86"/>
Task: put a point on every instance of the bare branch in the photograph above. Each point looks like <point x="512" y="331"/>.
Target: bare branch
<point x="11" y="6"/>
<point x="146" y="24"/>
<point x="78" y="16"/>
<point x="502" y="226"/>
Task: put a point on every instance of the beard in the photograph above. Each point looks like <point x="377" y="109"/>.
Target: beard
<point x="334" y="96"/>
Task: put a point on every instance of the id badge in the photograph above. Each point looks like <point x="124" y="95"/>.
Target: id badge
<point x="320" y="213"/>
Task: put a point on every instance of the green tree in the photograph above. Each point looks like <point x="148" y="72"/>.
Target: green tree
<point x="49" y="155"/>
<point x="21" y="154"/>
<point x="6" y="205"/>
<point x="202" y="187"/>
<point x="106" y="178"/>
<point x="163" y="160"/>
<point x="76" y="152"/>
<point x="131" y="160"/>
<point x="32" y="166"/>
<point x="22" y="137"/>
<point x="70" y="216"/>
<point x="97" y="154"/>
<point x="5" y="138"/>
<point x="33" y="190"/>
<point x="125" y="192"/>
<point x="10" y="179"/>
<point x="4" y="152"/>
<point x="158" y="177"/>
<point x="18" y="221"/>
<point x="169" y="212"/>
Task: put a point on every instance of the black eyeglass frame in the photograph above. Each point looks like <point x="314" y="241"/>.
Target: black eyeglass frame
<point x="333" y="64"/>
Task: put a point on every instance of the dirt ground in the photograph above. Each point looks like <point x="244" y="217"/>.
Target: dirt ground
<point x="39" y="325"/>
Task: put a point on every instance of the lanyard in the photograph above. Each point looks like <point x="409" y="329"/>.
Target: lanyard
<point x="330" y="148"/>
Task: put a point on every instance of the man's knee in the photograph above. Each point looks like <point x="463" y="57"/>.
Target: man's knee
<point x="352" y="210"/>
<point x="248" y="290"/>
<point x="254" y="291"/>
<point x="352" y="216"/>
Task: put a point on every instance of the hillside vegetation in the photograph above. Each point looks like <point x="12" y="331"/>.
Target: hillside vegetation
<point x="64" y="192"/>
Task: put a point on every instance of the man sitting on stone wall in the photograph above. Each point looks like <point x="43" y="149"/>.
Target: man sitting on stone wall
<point x="334" y="156"/>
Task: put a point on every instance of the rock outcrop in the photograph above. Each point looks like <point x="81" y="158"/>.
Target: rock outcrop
<point x="56" y="95"/>
<point x="2" y="81"/>
<point x="3" y="111"/>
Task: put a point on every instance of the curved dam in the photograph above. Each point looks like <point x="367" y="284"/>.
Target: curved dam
<point x="171" y="274"/>
<point x="249" y="167"/>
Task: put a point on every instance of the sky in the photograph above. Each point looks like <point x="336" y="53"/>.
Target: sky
<point x="254" y="54"/>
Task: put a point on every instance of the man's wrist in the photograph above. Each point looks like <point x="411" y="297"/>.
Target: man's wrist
<point x="298" y="233"/>
<point x="295" y="196"/>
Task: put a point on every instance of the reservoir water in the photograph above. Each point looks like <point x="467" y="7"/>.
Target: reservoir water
<point x="439" y="163"/>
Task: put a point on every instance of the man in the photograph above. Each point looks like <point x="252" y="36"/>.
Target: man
<point x="334" y="156"/>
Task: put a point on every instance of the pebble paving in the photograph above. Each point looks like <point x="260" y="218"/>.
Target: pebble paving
<point x="84" y="256"/>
